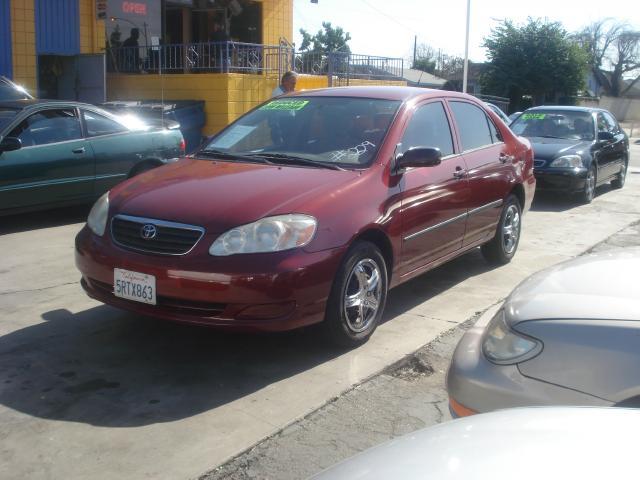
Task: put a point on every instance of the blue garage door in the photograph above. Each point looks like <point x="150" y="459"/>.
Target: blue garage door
<point x="6" y="67"/>
<point x="57" y="27"/>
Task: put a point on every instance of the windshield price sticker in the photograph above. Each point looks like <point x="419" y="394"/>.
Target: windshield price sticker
<point x="533" y="116"/>
<point x="285" y="105"/>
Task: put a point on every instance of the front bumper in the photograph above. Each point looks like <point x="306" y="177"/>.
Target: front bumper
<point x="477" y="385"/>
<point x="258" y="292"/>
<point x="566" y="180"/>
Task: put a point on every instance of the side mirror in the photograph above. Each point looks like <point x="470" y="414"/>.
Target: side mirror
<point x="419" y="157"/>
<point x="605" y="136"/>
<point x="9" y="144"/>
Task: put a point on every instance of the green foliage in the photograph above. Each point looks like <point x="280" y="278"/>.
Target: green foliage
<point x="537" y="59"/>
<point x="425" y="65"/>
<point x="328" y="39"/>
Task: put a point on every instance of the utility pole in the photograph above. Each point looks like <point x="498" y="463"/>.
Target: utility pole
<point x="415" y="47"/>
<point x="465" y="69"/>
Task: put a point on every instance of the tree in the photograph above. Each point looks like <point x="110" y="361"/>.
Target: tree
<point x="614" y="54"/>
<point x="315" y="50"/>
<point x="329" y="40"/>
<point x="538" y="59"/>
<point x="426" y="58"/>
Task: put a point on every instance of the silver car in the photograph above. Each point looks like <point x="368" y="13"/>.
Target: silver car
<point x="523" y="444"/>
<point x="568" y="335"/>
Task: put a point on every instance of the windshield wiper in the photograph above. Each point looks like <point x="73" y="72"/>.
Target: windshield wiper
<point x="232" y="156"/>
<point x="294" y="160"/>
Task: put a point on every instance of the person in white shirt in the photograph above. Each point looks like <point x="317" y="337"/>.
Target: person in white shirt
<point x="287" y="84"/>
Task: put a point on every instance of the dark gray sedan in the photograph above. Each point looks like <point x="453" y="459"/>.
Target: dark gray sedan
<point x="575" y="148"/>
<point x="568" y="335"/>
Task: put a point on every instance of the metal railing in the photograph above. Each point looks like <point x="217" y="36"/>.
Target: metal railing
<point x="221" y="57"/>
<point x="342" y="67"/>
<point x="238" y="57"/>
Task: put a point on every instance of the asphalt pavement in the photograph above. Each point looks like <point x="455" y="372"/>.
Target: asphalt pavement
<point x="88" y="391"/>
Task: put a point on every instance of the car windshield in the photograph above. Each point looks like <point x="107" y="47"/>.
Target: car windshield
<point x="571" y="125"/>
<point x="12" y="92"/>
<point x="6" y="115"/>
<point x="329" y="131"/>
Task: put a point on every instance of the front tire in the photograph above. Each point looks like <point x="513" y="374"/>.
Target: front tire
<point x="358" y="296"/>
<point x="589" y="190"/>
<point x="502" y="247"/>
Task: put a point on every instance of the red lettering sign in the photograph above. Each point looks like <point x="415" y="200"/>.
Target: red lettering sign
<point x="134" y="7"/>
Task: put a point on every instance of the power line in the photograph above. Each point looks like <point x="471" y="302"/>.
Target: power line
<point x="387" y="15"/>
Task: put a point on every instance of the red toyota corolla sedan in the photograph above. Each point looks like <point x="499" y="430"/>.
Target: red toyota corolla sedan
<point x="309" y="209"/>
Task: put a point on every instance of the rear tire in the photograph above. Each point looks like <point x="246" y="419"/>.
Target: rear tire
<point x="358" y="296"/>
<point x="622" y="176"/>
<point x="504" y="244"/>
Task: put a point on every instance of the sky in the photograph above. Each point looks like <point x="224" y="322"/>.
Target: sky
<point x="387" y="28"/>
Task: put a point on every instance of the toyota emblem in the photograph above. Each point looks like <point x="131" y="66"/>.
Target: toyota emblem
<point x="148" y="231"/>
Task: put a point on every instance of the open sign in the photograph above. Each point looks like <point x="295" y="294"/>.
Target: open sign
<point x="134" y="7"/>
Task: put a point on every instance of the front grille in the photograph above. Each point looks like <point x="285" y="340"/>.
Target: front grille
<point x="170" y="238"/>
<point x="170" y="304"/>
<point x="539" y="163"/>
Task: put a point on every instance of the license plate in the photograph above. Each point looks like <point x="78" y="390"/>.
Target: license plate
<point x="139" y="287"/>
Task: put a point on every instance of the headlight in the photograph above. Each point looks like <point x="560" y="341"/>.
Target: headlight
<point x="504" y="346"/>
<point x="97" y="220"/>
<point x="567" y="161"/>
<point x="271" y="234"/>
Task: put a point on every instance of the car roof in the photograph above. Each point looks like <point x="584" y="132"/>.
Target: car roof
<point x="30" y="103"/>
<point x="591" y="287"/>
<point x="525" y="443"/>
<point x="567" y="108"/>
<point x="380" y="92"/>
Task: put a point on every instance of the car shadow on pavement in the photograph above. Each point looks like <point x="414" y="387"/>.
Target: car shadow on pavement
<point x="109" y="368"/>
<point x="24" y="222"/>
<point x="430" y="284"/>
<point x="555" y="202"/>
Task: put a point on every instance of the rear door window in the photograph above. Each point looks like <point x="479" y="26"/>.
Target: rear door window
<point x="98" y="125"/>
<point x="429" y="127"/>
<point x="473" y="125"/>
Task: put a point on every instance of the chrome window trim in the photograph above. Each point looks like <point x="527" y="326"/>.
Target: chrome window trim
<point x="462" y="216"/>
<point x="158" y="223"/>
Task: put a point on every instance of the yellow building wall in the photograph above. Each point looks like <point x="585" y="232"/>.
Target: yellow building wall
<point x="23" y="34"/>
<point x="92" y="36"/>
<point x="277" y="21"/>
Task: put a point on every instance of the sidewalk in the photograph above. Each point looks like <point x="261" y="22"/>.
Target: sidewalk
<point x="407" y="396"/>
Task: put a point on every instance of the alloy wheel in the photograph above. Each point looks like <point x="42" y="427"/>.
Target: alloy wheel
<point x="362" y="295"/>
<point x="511" y="229"/>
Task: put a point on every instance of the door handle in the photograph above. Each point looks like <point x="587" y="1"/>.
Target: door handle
<point x="459" y="172"/>
<point x="78" y="150"/>
<point x="505" y="158"/>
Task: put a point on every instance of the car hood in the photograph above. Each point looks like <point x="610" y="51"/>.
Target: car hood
<point x="597" y="286"/>
<point x="559" y="442"/>
<point x="550" y="148"/>
<point x="223" y="195"/>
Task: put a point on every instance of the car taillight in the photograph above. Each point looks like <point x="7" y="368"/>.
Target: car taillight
<point x="183" y="145"/>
